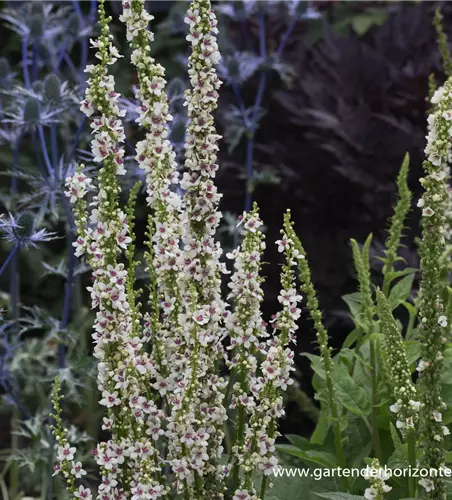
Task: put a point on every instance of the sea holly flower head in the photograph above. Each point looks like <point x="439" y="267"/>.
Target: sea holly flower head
<point x="21" y="231"/>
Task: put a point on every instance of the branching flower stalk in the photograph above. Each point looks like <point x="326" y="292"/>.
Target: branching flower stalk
<point x="312" y="305"/>
<point x="129" y="461"/>
<point x="406" y="405"/>
<point x="433" y="322"/>
<point x="159" y="371"/>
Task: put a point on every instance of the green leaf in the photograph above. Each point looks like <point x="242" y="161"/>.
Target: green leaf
<point x="354" y="303"/>
<point x="395" y="436"/>
<point x="392" y="275"/>
<point x="321" y="429"/>
<point x="350" y="395"/>
<point x="401" y="291"/>
<point x="322" y="458"/>
<point x="290" y="486"/>
<point x="352" y="337"/>
<point x="316" y="364"/>
<point x="299" y="441"/>
<point x="399" y="458"/>
<point x="337" y="495"/>
<point x="413" y="350"/>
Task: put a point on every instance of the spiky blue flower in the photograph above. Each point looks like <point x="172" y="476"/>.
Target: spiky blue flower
<point x="22" y="231"/>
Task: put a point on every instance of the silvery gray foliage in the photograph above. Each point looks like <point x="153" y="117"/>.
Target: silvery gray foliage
<point x="239" y="66"/>
<point x="238" y="123"/>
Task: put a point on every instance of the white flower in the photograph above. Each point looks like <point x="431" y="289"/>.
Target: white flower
<point x="437" y="416"/>
<point x="269" y="464"/>
<point x="370" y="493"/>
<point x="414" y="404"/>
<point x="83" y="493"/>
<point x="66" y="452"/>
<point x="110" y="399"/>
<point x="427" y="484"/>
<point x="427" y="212"/>
<point x="422" y="365"/>
<point x="446" y="430"/>
<point x="241" y="495"/>
<point x="86" y="108"/>
<point x="442" y="321"/>
<point x="395" y="408"/>
<point x="77" y="470"/>
<point x="282" y="244"/>
<point x="201" y="317"/>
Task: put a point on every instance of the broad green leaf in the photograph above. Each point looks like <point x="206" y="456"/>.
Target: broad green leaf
<point x="357" y="441"/>
<point x="399" y="458"/>
<point x="354" y="303"/>
<point x="337" y="495"/>
<point x="316" y="364"/>
<point x="321" y="429"/>
<point x="350" y="395"/>
<point x="299" y="441"/>
<point x="352" y="337"/>
<point x="395" y="436"/>
<point x="322" y="458"/>
<point x="401" y="291"/>
<point x="392" y="275"/>
<point x="413" y="350"/>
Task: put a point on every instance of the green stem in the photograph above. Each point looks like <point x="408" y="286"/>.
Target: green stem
<point x="14" y="469"/>
<point x="386" y="285"/>
<point x="4" y="490"/>
<point x="239" y="436"/>
<point x="263" y="487"/>
<point x="375" y="432"/>
<point x="337" y="431"/>
<point x="412" y="483"/>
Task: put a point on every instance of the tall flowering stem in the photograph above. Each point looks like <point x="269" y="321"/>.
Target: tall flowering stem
<point x="155" y="156"/>
<point x="245" y="327"/>
<point x="433" y="322"/>
<point x="129" y="461"/>
<point x="158" y="372"/>
<point x="198" y="408"/>
<point x="69" y="469"/>
<point x="362" y="264"/>
<point x="397" y="224"/>
<point x="406" y="405"/>
<point x="312" y="305"/>
<point x="275" y="375"/>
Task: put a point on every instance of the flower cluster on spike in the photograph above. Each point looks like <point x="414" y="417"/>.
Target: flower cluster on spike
<point x="438" y="154"/>
<point x="377" y="477"/>
<point x="406" y="406"/>
<point x="159" y="372"/>
<point x="434" y="326"/>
